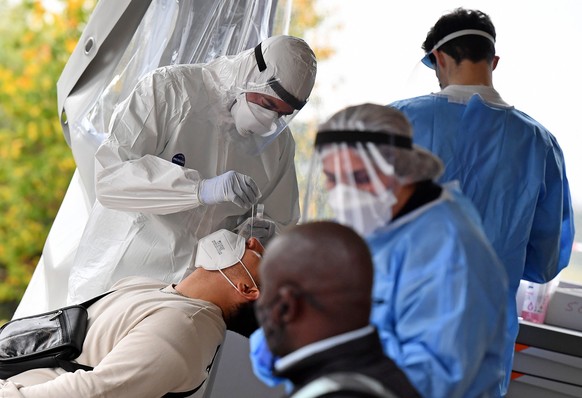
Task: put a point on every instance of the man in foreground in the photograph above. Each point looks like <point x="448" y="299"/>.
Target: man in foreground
<point x="148" y="338"/>
<point x="315" y="309"/>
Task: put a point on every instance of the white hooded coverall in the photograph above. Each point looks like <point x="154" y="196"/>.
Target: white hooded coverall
<point x="174" y="130"/>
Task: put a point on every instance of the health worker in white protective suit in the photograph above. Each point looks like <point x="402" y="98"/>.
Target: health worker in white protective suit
<point x="190" y="151"/>
<point x="439" y="288"/>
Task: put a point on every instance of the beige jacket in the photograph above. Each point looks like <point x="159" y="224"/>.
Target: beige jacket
<point x="144" y="340"/>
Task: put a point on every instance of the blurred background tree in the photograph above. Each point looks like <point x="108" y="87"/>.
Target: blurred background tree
<point x="36" y="164"/>
<point x="307" y="18"/>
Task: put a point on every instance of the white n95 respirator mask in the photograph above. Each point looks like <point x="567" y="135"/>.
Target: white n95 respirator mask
<point x="361" y="210"/>
<point x="219" y="250"/>
<point x="250" y="118"/>
<point x="222" y="249"/>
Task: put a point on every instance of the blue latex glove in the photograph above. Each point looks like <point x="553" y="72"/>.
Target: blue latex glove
<point x="263" y="360"/>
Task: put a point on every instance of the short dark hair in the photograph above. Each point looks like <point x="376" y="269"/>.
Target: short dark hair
<point x="471" y="47"/>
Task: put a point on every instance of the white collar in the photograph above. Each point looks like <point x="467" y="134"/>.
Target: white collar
<point x="319" y="346"/>
<point x="462" y="94"/>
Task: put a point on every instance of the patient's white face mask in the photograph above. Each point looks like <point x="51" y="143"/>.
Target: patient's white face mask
<point x="222" y="249"/>
<point x="250" y="118"/>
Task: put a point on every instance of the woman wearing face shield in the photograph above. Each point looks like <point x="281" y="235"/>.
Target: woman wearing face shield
<point x="190" y="151"/>
<point x="438" y="285"/>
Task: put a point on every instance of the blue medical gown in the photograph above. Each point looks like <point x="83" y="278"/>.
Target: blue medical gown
<point x="439" y="299"/>
<point x="513" y="170"/>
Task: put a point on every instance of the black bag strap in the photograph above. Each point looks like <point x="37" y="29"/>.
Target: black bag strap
<point x="188" y="393"/>
<point x="183" y="394"/>
<point x="71" y="366"/>
<point x="90" y="302"/>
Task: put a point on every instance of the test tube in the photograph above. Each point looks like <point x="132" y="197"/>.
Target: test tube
<point x="260" y="211"/>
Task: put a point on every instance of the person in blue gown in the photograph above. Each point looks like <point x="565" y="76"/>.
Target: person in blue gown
<point x="507" y="163"/>
<point x="439" y="288"/>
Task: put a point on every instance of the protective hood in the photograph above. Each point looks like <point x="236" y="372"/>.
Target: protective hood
<point x="287" y="60"/>
<point x="283" y="67"/>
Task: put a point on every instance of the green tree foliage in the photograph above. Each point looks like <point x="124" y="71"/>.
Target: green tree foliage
<point x="36" y="164"/>
<point x="305" y="16"/>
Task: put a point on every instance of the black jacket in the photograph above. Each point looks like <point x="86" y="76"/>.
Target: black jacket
<point x="363" y="355"/>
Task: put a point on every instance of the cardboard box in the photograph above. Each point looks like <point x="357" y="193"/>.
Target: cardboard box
<point x="565" y="309"/>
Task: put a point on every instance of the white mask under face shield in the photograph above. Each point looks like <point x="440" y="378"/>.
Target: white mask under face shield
<point x="363" y="211"/>
<point x="352" y="182"/>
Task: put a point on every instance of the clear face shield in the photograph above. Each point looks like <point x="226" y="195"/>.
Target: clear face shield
<point x="352" y="184"/>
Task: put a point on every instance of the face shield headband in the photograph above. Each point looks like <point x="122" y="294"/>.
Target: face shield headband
<point x="351" y="181"/>
<point x="465" y="32"/>
<point x="351" y="137"/>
